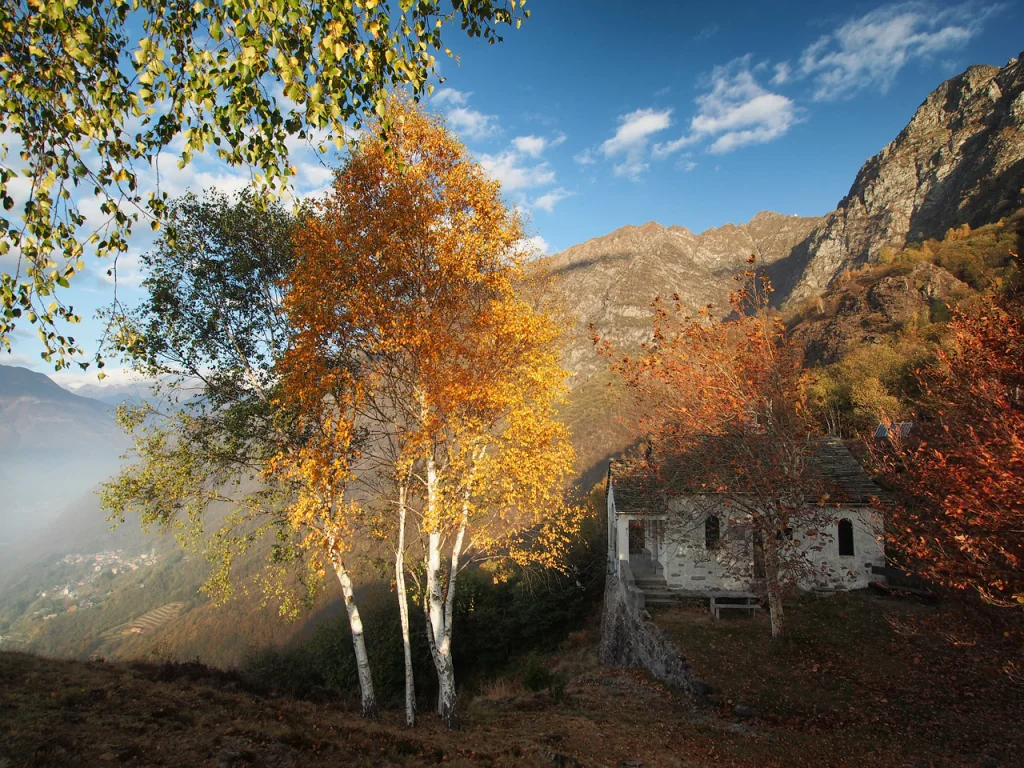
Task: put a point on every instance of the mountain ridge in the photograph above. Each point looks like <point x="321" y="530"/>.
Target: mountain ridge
<point x="959" y="160"/>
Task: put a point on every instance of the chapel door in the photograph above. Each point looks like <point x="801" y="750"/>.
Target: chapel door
<point x="637" y="537"/>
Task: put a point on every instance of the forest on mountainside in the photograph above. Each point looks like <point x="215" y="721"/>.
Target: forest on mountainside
<point x="880" y="323"/>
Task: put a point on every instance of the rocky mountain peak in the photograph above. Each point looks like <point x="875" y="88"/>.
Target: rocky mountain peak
<point x="960" y="160"/>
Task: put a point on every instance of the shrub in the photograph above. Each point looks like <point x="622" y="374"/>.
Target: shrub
<point x="536" y="677"/>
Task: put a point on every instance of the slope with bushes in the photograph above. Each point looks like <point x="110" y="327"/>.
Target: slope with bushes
<point x="867" y="336"/>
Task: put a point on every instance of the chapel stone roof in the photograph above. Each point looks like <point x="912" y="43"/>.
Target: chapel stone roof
<point x="844" y="479"/>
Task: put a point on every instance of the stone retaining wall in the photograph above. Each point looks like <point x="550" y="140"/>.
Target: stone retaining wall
<point x="630" y="639"/>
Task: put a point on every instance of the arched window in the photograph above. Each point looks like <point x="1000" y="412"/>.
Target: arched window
<point x="712" y="532"/>
<point x="845" y="537"/>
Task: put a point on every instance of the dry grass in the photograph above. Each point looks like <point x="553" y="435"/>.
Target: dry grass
<point x="847" y="691"/>
<point x="502" y="688"/>
<point x="866" y="679"/>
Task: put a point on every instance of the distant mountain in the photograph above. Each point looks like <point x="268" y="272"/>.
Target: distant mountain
<point x="609" y="282"/>
<point x="38" y="418"/>
<point x="54" y="447"/>
<point x="115" y="394"/>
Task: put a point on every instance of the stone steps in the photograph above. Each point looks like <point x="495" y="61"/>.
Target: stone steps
<point x="656" y="591"/>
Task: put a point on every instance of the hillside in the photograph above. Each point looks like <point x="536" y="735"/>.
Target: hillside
<point x="915" y="699"/>
<point x="869" y="333"/>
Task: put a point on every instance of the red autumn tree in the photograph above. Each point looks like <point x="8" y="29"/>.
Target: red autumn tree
<point x="721" y="411"/>
<point x="962" y="469"/>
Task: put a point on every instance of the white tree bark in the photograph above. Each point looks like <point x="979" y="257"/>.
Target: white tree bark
<point x="369" y="700"/>
<point x="441" y="633"/>
<point x="439" y="607"/>
<point x="773" y="582"/>
<point x="436" y="615"/>
<point x="441" y="653"/>
<point x="403" y="611"/>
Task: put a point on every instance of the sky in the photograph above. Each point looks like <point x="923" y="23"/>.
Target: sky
<point x="597" y="114"/>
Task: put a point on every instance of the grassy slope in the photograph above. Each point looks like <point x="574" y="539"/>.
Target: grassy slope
<point x="864" y="681"/>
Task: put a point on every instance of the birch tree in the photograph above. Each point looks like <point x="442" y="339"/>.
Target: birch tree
<point x="415" y="256"/>
<point x="221" y="457"/>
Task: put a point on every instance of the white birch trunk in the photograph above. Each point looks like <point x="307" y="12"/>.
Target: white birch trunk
<point x="772" y="577"/>
<point x="369" y="700"/>
<point x="403" y="612"/>
<point x="439" y="608"/>
<point x="436" y="614"/>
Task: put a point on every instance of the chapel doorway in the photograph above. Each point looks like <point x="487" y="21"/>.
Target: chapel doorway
<point x="637" y="537"/>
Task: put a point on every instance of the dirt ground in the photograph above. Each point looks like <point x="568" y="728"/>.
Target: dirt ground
<point x="865" y="678"/>
<point x="860" y="683"/>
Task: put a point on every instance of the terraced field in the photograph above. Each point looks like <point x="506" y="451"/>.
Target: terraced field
<point x="148" y="622"/>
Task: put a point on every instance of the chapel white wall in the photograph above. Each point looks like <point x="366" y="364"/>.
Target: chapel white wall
<point x="689" y="565"/>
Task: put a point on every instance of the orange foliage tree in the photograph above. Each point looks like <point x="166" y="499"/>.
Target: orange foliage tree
<point x="962" y="468"/>
<point x="430" y="380"/>
<point x="721" y="412"/>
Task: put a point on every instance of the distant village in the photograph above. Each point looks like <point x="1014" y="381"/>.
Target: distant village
<point x="80" y="592"/>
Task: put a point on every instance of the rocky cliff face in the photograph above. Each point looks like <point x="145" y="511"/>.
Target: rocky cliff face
<point x="959" y="160"/>
<point x="610" y="282"/>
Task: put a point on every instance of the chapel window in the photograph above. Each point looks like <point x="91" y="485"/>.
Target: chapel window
<point x="845" y="538"/>
<point x="712" y="531"/>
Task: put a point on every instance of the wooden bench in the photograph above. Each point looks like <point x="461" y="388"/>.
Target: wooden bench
<point x="733" y="601"/>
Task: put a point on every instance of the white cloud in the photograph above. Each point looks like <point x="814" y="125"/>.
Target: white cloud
<point x="783" y="71"/>
<point x="586" y="157"/>
<point x="736" y="111"/>
<point x="868" y="52"/>
<point x="125" y="269"/>
<point x="549" y="200"/>
<point x="508" y="168"/>
<point x="667" y="148"/>
<point x="530" y="145"/>
<point x="536" y="246"/>
<point x="534" y="146"/>
<point x="634" y="129"/>
<point x="632" y="137"/>
<point x="451" y="96"/>
<point x="471" y="124"/>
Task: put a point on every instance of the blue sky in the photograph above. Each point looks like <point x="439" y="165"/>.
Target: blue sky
<point x="596" y="114"/>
